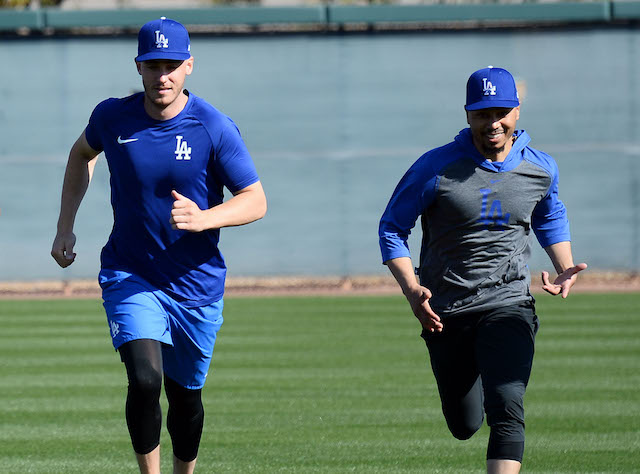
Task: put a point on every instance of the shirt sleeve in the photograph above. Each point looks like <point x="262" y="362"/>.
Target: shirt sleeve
<point x="233" y="161"/>
<point x="94" y="127"/>
<point x="413" y="194"/>
<point x="549" y="221"/>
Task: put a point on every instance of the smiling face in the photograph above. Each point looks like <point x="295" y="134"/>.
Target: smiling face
<point x="492" y="130"/>
<point x="163" y="81"/>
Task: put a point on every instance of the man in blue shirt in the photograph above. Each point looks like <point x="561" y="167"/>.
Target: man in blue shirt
<point x="170" y="154"/>
<point x="478" y="198"/>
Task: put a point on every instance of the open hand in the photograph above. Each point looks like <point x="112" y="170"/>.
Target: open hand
<point x="563" y="282"/>
<point x="419" y="301"/>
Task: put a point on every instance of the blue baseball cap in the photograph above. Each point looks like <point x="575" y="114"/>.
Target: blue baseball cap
<point x="163" y="39"/>
<point x="491" y="87"/>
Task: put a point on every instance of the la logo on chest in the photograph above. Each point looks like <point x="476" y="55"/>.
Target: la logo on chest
<point x="183" y="150"/>
<point x="491" y="214"/>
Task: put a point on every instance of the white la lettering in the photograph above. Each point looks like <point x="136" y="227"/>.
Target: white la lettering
<point x="115" y="328"/>
<point x="488" y="88"/>
<point x="161" y="40"/>
<point x="183" y="150"/>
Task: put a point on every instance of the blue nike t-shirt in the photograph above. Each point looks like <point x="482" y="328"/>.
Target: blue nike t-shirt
<point x="197" y="153"/>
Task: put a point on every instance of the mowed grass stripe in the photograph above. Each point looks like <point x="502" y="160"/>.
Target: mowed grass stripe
<point x="319" y="384"/>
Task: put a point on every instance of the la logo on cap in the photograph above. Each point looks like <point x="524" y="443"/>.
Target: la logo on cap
<point x="161" y="40"/>
<point x="487" y="87"/>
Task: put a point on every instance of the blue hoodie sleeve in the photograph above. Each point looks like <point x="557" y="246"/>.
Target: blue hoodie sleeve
<point x="549" y="221"/>
<point x="414" y="192"/>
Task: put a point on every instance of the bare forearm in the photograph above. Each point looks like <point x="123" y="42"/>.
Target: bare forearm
<point x="77" y="176"/>
<point x="402" y="270"/>
<point x="560" y="255"/>
<point x="76" y="181"/>
<point x="82" y="160"/>
<point x="243" y="208"/>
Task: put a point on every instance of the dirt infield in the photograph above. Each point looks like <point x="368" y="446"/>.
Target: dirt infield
<point x="604" y="282"/>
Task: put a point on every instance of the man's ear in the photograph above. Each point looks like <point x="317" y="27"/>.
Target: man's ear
<point x="189" y="65"/>
<point x="138" y="65"/>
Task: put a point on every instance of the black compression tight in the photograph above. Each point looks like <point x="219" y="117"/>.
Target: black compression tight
<point x="184" y="419"/>
<point x="143" y="361"/>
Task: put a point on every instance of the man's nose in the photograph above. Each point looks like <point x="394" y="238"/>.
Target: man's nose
<point x="162" y="72"/>
<point x="494" y="121"/>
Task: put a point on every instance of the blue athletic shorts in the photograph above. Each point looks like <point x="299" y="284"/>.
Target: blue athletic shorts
<point x="137" y="310"/>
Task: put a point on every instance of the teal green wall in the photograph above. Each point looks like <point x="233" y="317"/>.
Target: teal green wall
<point x="329" y="15"/>
<point x="332" y="122"/>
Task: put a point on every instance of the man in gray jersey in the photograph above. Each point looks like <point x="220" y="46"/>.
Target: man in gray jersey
<point x="479" y="197"/>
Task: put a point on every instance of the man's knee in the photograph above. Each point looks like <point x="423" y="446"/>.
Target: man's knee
<point x="464" y="419"/>
<point x="185" y="420"/>
<point x="463" y="429"/>
<point x="143" y="414"/>
<point x="463" y="408"/>
<point x="145" y="383"/>
<point x="143" y="361"/>
<point x="505" y="417"/>
<point x="504" y="405"/>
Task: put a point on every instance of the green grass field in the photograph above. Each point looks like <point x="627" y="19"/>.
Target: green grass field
<point x="319" y="385"/>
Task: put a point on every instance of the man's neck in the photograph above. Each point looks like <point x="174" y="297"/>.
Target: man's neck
<point x="157" y="112"/>
<point x="496" y="156"/>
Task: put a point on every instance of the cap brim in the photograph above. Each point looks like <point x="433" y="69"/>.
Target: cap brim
<point x="490" y="104"/>
<point x="163" y="55"/>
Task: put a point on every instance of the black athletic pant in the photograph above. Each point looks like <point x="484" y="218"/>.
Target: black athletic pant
<point x="185" y="418"/>
<point x="482" y="362"/>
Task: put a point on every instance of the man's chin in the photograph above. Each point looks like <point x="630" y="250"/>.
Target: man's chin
<point x="160" y="101"/>
<point x="492" y="150"/>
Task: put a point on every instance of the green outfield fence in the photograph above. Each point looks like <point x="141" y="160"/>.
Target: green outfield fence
<point x="52" y="20"/>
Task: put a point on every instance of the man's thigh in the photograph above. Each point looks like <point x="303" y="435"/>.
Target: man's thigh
<point x="452" y="356"/>
<point x="193" y="335"/>
<point x="133" y="309"/>
<point x="504" y="351"/>
<point x="137" y="310"/>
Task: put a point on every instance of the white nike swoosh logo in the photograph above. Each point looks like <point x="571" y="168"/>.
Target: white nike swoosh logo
<point x="121" y="141"/>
